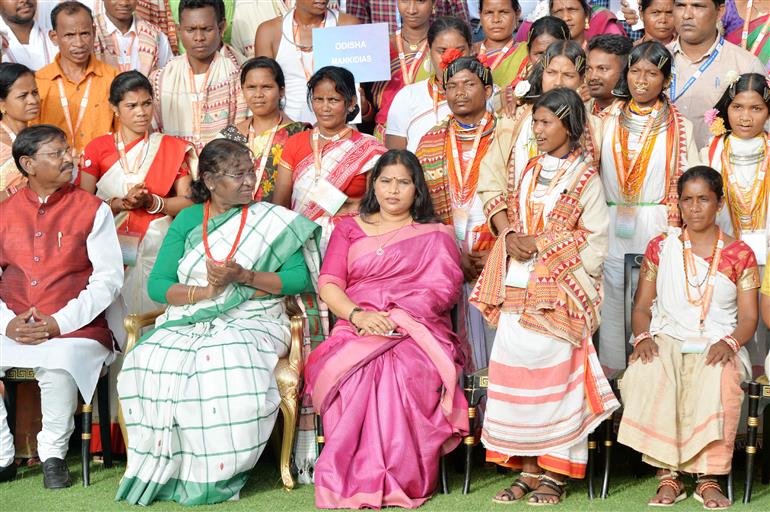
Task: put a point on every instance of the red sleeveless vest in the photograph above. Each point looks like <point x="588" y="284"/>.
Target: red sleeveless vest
<point x="44" y="256"/>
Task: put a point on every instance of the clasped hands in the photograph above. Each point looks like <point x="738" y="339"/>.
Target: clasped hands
<point x="220" y="275"/>
<point x="520" y="246"/>
<point x="32" y="327"/>
<point x="137" y="198"/>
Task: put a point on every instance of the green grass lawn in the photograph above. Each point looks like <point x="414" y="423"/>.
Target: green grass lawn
<point x="264" y="492"/>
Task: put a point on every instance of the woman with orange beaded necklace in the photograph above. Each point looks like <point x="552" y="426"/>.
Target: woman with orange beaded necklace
<point x="646" y="144"/>
<point x="740" y="151"/>
<point x="695" y="309"/>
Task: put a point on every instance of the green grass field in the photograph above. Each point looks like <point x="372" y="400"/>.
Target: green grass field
<point x="264" y="492"/>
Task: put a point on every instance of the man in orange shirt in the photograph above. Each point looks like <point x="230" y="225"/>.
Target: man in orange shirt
<point x="75" y="87"/>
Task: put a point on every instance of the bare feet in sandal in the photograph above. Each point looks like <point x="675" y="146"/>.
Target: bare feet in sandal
<point x="523" y="485"/>
<point x="549" y="492"/>
<point x="667" y="493"/>
<point x="711" y="495"/>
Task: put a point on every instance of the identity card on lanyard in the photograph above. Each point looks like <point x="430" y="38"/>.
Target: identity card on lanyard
<point x="673" y="96"/>
<point x="323" y="192"/>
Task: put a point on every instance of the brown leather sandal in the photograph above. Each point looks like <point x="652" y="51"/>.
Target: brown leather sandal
<point x="538" y="497"/>
<point x="510" y="497"/>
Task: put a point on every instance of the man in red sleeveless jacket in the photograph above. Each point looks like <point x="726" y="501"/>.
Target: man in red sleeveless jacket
<point x="60" y="267"/>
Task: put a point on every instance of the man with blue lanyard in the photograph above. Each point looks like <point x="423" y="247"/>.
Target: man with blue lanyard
<point x="702" y="60"/>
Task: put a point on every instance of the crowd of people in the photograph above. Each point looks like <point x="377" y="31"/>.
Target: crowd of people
<point x="473" y="211"/>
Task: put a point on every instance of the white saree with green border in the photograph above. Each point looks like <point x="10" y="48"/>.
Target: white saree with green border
<point x="198" y="392"/>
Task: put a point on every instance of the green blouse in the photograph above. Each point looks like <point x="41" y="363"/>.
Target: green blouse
<point x="294" y="274"/>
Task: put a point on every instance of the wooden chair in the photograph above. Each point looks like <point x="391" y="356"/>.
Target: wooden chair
<point x="758" y="392"/>
<point x="16" y="375"/>
<point x="288" y="375"/>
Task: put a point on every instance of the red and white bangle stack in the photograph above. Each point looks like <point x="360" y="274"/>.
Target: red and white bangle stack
<point x="641" y="337"/>
<point x="732" y="343"/>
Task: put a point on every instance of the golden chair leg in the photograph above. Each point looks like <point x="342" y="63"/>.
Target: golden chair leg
<point x="289" y="411"/>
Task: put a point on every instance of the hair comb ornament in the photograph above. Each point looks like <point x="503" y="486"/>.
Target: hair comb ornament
<point x="579" y="63"/>
<point x="662" y="61"/>
<point x="562" y="111"/>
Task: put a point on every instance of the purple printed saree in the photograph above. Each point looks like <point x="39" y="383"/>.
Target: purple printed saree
<point x="390" y="406"/>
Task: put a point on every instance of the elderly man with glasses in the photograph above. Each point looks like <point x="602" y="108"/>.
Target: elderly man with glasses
<point x="60" y="267"/>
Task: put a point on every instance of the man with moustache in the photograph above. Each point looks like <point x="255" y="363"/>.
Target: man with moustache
<point x="605" y="63"/>
<point x="24" y="40"/>
<point x="60" y="267"/>
<point x="75" y="87"/>
<point x="702" y="60"/>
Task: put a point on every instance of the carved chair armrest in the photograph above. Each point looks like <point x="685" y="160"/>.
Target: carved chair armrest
<point x="134" y="324"/>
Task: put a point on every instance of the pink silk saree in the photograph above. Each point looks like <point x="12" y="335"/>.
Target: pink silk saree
<point x="390" y="406"/>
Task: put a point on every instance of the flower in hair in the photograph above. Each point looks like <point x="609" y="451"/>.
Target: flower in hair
<point x="522" y="88"/>
<point x="710" y="116"/>
<point x="731" y="77"/>
<point x="449" y="56"/>
<point x="715" y="122"/>
<point x="768" y="82"/>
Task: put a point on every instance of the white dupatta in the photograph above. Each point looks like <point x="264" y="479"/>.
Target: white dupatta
<point x="672" y="313"/>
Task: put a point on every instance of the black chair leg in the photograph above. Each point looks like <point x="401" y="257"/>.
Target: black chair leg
<point x="319" y="435"/>
<point x="442" y="476"/>
<point x="469" y="440"/>
<point x="608" y="425"/>
<point x="751" y="439"/>
<point x="766" y="445"/>
<point x="86" y="444"/>
<point x="730" y="489"/>
<point x="105" y="434"/>
<point x="591" y="465"/>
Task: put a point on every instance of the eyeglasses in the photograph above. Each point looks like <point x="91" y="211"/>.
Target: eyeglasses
<point x="57" y="155"/>
<point x="240" y="177"/>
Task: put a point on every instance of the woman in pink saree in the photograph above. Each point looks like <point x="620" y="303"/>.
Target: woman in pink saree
<point x="386" y="382"/>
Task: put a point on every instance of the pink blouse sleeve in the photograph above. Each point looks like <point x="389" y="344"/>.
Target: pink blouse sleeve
<point x="334" y="269"/>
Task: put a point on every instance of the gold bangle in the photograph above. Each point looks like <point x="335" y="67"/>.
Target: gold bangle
<point x="191" y="294"/>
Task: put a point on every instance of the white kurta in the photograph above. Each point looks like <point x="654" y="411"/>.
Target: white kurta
<point x="82" y="358"/>
<point x="129" y="45"/>
<point x="37" y="54"/>
<point x="411" y="115"/>
<point x="651" y="220"/>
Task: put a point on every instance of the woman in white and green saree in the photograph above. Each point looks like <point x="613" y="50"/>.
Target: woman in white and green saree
<point x="198" y="391"/>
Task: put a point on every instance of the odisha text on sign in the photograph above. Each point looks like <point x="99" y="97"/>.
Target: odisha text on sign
<point x="349" y="45"/>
